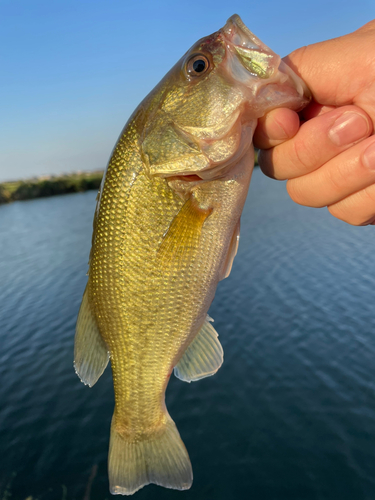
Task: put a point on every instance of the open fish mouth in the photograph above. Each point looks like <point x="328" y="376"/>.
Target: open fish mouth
<point x="259" y="60"/>
<point x="238" y="34"/>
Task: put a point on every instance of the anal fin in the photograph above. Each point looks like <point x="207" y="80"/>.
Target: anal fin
<point x="90" y="351"/>
<point x="203" y="357"/>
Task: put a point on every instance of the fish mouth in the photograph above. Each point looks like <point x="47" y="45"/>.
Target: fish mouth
<point x="238" y="34"/>
<point x="259" y="60"/>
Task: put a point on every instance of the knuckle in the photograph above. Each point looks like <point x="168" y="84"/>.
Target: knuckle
<point x="303" y="155"/>
<point x="336" y="177"/>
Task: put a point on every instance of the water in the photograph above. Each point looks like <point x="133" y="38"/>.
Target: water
<point x="291" y="413"/>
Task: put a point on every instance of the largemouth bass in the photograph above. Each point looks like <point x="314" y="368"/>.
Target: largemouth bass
<point x="166" y="231"/>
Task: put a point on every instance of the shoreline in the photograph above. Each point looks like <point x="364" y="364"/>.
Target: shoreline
<point x="44" y="186"/>
<point x="41" y="187"/>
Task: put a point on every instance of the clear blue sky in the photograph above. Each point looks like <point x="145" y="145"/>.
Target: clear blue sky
<point x="73" y="71"/>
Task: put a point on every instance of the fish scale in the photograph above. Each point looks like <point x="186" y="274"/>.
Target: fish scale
<point x="166" y="231"/>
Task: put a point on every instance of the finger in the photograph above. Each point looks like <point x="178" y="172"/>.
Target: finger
<point x="282" y="124"/>
<point x="358" y="209"/>
<point x="345" y="174"/>
<point x="330" y="68"/>
<point x="276" y="127"/>
<point x="315" y="109"/>
<point x="341" y="70"/>
<point x="317" y="141"/>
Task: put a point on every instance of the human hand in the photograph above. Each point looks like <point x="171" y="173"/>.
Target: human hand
<point x="329" y="160"/>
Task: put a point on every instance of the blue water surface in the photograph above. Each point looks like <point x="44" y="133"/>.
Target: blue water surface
<point x="291" y="413"/>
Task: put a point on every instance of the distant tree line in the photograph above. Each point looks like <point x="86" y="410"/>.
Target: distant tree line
<point x="40" y="188"/>
<point x="4" y="195"/>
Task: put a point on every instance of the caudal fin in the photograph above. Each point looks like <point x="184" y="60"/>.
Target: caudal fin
<point x="161" y="460"/>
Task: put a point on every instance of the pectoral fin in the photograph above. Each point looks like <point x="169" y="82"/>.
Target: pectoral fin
<point x="90" y="351"/>
<point x="203" y="357"/>
<point x="232" y="252"/>
<point x="182" y="238"/>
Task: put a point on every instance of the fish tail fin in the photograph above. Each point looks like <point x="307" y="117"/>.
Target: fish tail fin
<point x="161" y="459"/>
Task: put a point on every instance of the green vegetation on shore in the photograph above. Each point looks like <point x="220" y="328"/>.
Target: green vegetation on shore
<point x="49" y="186"/>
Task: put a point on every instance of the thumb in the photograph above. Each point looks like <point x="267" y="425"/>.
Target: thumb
<point x="337" y="71"/>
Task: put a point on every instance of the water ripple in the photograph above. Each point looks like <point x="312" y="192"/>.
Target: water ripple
<point x="291" y="413"/>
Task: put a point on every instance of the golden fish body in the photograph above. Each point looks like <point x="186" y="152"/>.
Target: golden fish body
<point x="166" y="231"/>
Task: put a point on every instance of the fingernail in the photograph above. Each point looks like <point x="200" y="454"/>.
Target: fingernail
<point x="369" y="157"/>
<point x="348" y="128"/>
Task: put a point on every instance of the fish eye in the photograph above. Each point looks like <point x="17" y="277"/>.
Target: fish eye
<point x="197" y="65"/>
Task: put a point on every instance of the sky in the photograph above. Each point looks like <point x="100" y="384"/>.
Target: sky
<point x="72" y="71"/>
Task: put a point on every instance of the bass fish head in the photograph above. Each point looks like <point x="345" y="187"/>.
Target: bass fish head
<point x="202" y="115"/>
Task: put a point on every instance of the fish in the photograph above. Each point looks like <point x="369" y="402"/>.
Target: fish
<point x="166" y="230"/>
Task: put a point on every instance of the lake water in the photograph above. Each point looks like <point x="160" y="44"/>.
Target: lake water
<point x="289" y="416"/>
